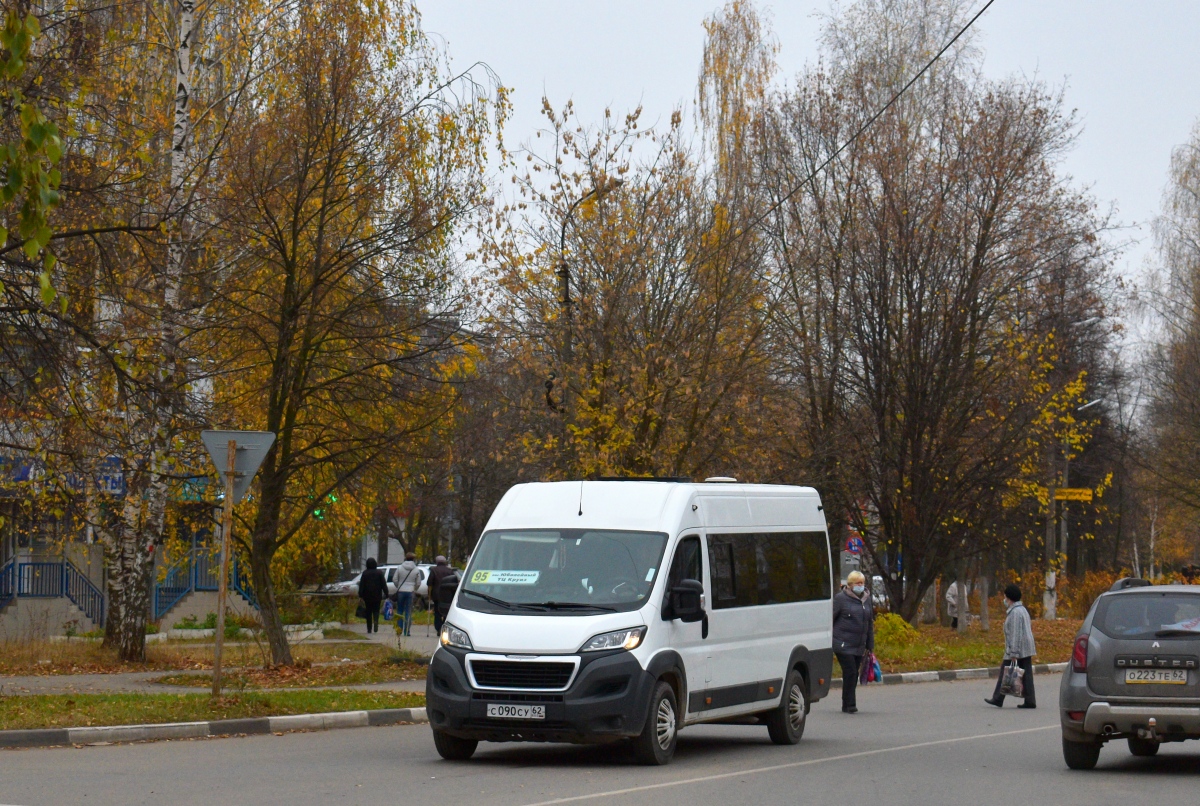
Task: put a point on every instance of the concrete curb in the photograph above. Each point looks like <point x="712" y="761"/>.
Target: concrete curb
<point x="198" y="730"/>
<point x="957" y="674"/>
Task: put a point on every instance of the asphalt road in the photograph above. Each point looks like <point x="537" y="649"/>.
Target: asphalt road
<point x="931" y="743"/>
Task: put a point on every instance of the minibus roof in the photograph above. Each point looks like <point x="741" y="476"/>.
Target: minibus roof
<point x="655" y="506"/>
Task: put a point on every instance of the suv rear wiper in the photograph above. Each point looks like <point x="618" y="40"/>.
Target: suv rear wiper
<point x="1176" y="633"/>
<point x="577" y="606"/>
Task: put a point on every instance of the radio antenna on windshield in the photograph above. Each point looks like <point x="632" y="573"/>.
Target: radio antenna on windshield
<point x="581" y="498"/>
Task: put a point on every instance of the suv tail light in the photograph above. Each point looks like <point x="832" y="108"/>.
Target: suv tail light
<point x="1079" y="654"/>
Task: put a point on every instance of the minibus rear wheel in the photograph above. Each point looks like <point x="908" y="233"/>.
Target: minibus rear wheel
<point x="656" y="745"/>
<point x="452" y="748"/>
<point x="786" y="723"/>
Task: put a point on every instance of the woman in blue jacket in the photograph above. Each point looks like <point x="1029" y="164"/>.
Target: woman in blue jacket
<point x="853" y="634"/>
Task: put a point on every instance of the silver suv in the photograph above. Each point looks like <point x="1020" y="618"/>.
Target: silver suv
<point x="1134" y="672"/>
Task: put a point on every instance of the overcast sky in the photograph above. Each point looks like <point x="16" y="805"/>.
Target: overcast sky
<point x="1131" y="69"/>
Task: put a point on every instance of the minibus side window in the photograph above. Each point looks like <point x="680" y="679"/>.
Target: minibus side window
<point x="720" y="553"/>
<point x="685" y="565"/>
<point x="769" y="568"/>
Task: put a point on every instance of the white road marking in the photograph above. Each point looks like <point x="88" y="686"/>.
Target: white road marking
<point x="788" y="766"/>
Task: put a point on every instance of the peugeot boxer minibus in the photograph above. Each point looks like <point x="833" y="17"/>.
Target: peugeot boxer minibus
<point x="603" y="611"/>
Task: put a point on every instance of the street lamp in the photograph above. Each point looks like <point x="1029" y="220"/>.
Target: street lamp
<point x="603" y="186"/>
<point x="1062" y="538"/>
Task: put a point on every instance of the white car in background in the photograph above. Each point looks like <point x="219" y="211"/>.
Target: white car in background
<point x="350" y="586"/>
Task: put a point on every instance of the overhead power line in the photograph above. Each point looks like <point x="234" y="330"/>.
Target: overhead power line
<point x="866" y="125"/>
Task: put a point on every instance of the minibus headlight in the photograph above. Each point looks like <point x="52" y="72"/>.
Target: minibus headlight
<point x="630" y="638"/>
<point x="453" y="636"/>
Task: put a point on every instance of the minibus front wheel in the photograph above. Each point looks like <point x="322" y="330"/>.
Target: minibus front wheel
<point x="656" y="745"/>
<point x="786" y="723"/>
<point x="452" y="748"/>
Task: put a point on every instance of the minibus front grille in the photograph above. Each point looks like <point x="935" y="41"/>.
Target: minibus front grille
<point x="522" y="674"/>
<point x="490" y="697"/>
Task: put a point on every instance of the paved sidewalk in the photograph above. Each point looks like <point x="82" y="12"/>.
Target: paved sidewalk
<point x="423" y="640"/>
<point x="139" y="683"/>
<point x="115" y="683"/>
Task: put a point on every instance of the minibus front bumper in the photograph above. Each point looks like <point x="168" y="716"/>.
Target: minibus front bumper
<point x="607" y="699"/>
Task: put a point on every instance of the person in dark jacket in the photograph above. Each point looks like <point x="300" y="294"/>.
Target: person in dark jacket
<point x="440" y="571"/>
<point x="853" y="634"/>
<point x="372" y="588"/>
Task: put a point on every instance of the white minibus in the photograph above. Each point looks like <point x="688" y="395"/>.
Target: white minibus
<point x="624" y="610"/>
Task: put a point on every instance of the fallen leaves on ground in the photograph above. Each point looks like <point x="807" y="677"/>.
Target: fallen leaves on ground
<point x="347" y="674"/>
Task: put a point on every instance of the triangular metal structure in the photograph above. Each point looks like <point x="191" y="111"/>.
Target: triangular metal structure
<point x="252" y="447"/>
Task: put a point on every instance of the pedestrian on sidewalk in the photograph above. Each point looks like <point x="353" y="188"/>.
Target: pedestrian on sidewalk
<point x="372" y="588"/>
<point x="952" y="604"/>
<point x="406" y="585"/>
<point x="853" y="634"/>
<point x="1018" y="644"/>
<point x="441" y="569"/>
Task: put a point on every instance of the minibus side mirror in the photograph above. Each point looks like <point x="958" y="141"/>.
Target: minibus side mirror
<point x="687" y="600"/>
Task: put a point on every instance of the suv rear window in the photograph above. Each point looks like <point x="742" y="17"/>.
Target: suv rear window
<point x="1149" y="615"/>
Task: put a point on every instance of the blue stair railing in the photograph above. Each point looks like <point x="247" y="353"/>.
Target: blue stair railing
<point x="172" y="589"/>
<point x="40" y="580"/>
<point x="49" y="580"/>
<point x="206" y="569"/>
<point x="200" y="570"/>
<point x="241" y="584"/>
<point x="8" y="582"/>
<point x="85" y="595"/>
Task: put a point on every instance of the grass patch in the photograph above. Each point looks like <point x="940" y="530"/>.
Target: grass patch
<point x="338" y="632"/>
<point x="936" y="648"/>
<point x="299" y="677"/>
<point x="45" y="658"/>
<point x="422" y="616"/>
<point x="83" y="710"/>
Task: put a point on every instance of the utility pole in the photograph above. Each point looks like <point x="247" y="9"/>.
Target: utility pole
<point x="1055" y="544"/>
<point x="1062" y="517"/>
<point x="223" y="584"/>
<point x="1066" y="482"/>
<point x="1050" y="593"/>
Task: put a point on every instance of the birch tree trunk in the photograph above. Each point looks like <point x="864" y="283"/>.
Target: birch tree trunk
<point x="943" y="609"/>
<point x="964" y="611"/>
<point x="130" y="549"/>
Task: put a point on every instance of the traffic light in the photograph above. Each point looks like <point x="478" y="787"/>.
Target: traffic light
<point x="319" y="514"/>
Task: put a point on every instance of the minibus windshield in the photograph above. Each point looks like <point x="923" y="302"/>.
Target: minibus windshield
<point x="562" y="571"/>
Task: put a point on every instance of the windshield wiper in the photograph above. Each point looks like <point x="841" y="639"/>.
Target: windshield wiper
<point x="1176" y="633"/>
<point x="502" y="603"/>
<point x="491" y="599"/>
<point x="577" y="606"/>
